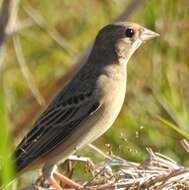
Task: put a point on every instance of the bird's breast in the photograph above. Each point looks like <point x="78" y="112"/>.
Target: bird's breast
<point x="112" y="91"/>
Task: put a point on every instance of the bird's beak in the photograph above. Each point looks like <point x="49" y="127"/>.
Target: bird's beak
<point x="147" y="34"/>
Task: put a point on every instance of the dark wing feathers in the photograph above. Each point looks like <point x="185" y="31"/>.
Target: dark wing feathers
<point x="55" y="138"/>
<point x="52" y="128"/>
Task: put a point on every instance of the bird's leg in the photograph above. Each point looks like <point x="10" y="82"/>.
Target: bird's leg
<point x="53" y="183"/>
<point x="50" y="173"/>
<point x="65" y="180"/>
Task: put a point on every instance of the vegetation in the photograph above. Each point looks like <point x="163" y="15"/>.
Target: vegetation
<point x="7" y="169"/>
<point x="156" y="108"/>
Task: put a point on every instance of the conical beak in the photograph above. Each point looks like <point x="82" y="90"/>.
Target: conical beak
<point x="147" y="34"/>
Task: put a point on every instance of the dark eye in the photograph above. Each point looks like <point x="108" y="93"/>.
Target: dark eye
<point x="129" y="32"/>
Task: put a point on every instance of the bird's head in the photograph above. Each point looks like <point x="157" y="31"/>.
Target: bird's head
<point x="122" y="39"/>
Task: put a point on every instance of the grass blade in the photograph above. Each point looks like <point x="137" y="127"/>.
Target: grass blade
<point x="6" y="164"/>
<point x="174" y="127"/>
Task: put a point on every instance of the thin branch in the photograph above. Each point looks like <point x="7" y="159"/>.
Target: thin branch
<point x="53" y="33"/>
<point x="13" y="15"/>
<point x="8" y="26"/>
<point x="185" y="145"/>
<point x="4" y="18"/>
<point x="2" y="55"/>
<point x="20" y="25"/>
<point x="100" y="152"/>
<point x="19" y="54"/>
<point x="25" y="71"/>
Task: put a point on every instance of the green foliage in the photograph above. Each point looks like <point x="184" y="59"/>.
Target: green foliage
<point x="174" y="127"/>
<point x="6" y="164"/>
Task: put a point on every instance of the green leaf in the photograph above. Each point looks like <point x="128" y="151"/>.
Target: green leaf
<point x="6" y="164"/>
<point x="174" y="127"/>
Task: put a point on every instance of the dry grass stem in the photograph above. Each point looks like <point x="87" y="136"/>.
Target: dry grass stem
<point x="53" y="33"/>
<point x="25" y="71"/>
<point x="156" y="172"/>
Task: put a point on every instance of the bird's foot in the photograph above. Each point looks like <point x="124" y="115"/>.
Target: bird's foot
<point x="52" y="175"/>
<point x="66" y="181"/>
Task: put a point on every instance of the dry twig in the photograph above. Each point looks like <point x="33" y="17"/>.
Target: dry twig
<point x="157" y="172"/>
<point x="4" y="19"/>
<point x="25" y="71"/>
<point x="53" y="33"/>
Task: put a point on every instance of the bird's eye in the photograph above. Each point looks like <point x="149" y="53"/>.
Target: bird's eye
<point x="129" y="32"/>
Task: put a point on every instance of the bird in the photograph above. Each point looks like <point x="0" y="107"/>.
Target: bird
<point x="86" y="107"/>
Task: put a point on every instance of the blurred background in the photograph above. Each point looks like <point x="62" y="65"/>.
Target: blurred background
<point x="46" y="41"/>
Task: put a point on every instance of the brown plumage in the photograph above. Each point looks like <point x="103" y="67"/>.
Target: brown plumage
<point x="87" y="106"/>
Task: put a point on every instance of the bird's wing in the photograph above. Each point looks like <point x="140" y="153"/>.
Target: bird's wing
<point x="54" y="126"/>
